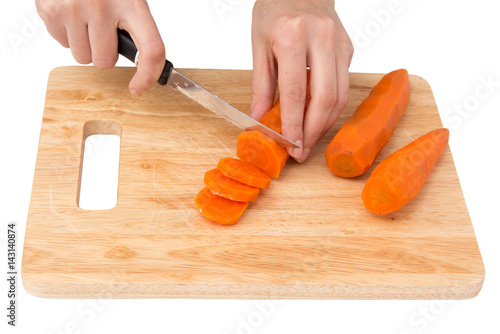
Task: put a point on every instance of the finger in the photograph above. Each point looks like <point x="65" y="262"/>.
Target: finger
<point x="263" y="83"/>
<point x="103" y="42"/>
<point x="48" y="11"/>
<point x="143" y="30"/>
<point x="58" y="32"/>
<point x="292" y="80"/>
<point x="78" y="40"/>
<point x="342" y="64"/>
<point x="323" y="86"/>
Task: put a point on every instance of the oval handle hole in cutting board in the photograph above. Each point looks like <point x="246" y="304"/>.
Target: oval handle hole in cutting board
<point x="99" y="165"/>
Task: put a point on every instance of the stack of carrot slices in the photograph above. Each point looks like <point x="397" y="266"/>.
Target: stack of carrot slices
<point x="236" y="182"/>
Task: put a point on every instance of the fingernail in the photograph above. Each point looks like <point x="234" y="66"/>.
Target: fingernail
<point x="136" y="89"/>
<point x="297" y="152"/>
<point x="304" y="155"/>
<point x="133" y="90"/>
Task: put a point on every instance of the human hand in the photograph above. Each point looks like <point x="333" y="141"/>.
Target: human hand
<point x="287" y="37"/>
<point x="89" y="28"/>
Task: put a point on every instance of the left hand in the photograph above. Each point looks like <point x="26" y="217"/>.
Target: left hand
<point x="287" y="37"/>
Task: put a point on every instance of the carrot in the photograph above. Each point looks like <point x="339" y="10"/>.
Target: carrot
<point x="272" y="118"/>
<point x="218" y="209"/>
<point x="260" y="150"/>
<point x="228" y="188"/>
<point x="399" y="178"/>
<point x="359" y="141"/>
<point x="243" y="172"/>
<point x="240" y="180"/>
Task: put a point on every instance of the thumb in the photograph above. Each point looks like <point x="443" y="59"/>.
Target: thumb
<point x="151" y="54"/>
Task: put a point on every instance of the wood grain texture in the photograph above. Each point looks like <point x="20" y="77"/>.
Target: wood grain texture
<point x="307" y="236"/>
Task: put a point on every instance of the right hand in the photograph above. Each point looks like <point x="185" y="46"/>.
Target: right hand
<point x="89" y="28"/>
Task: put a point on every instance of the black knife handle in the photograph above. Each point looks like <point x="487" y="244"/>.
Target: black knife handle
<point x="127" y="48"/>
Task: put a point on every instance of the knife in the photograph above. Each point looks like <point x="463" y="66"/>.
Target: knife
<point x="191" y="89"/>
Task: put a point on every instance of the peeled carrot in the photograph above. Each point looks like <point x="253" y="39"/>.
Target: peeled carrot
<point x="272" y="118"/>
<point x="262" y="158"/>
<point x="398" y="179"/>
<point x="218" y="209"/>
<point x="360" y="140"/>
<point x="260" y="150"/>
<point x="228" y="188"/>
<point x="243" y="172"/>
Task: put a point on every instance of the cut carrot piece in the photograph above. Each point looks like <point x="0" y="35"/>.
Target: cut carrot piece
<point x="218" y="209"/>
<point x="228" y="188"/>
<point x="360" y="140"/>
<point x="241" y="180"/>
<point x="243" y="172"/>
<point x="399" y="178"/>
<point x="272" y="118"/>
<point x="261" y="151"/>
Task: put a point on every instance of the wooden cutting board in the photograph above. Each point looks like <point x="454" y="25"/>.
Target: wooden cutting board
<point x="307" y="236"/>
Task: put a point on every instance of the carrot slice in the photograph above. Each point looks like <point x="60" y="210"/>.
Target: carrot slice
<point x="243" y="172"/>
<point x="261" y="151"/>
<point x="360" y="140"/>
<point x="228" y="188"/>
<point x="219" y="209"/>
<point x="398" y="179"/>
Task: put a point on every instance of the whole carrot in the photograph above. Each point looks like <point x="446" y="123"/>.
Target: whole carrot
<point x="399" y="177"/>
<point x="359" y="141"/>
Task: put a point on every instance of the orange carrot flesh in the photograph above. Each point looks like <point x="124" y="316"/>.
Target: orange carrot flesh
<point x="360" y="140"/>
<point x="272" y="118"/>
<point x="219" y="209"/>
<point x="241" y="180"/>
<point x="243" y="172"/>
<point x="262" y="152"/>
<point x="398" y="179"/>
<point x="228" y="188"/>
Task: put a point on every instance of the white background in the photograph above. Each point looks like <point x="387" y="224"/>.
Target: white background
<point x="453" y="44"/>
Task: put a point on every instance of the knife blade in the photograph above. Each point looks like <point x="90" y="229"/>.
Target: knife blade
<point x="181" y="83"/>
